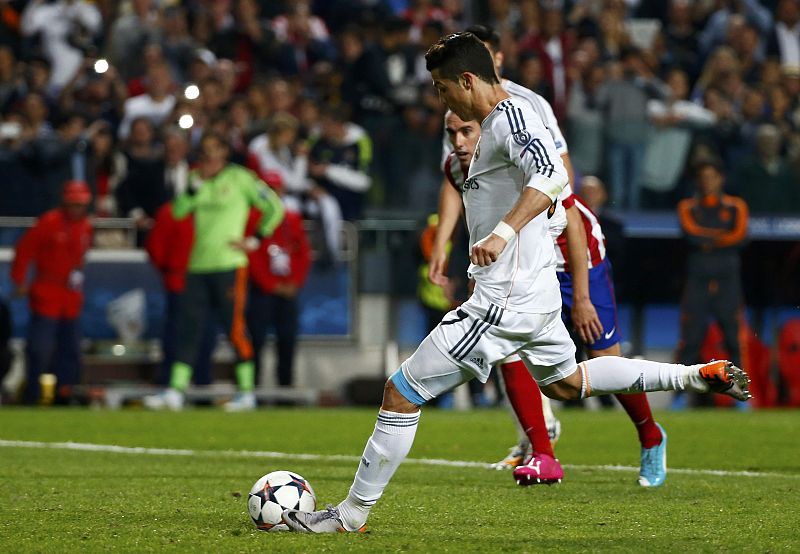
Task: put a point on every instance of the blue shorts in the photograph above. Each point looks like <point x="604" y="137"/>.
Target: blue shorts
<point x="601" y="291"/>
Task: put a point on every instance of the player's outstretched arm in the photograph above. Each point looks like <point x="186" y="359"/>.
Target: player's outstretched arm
<point x="530" y="203"/>
<point x="584" y="316"/>
<point x="450" y="207"/>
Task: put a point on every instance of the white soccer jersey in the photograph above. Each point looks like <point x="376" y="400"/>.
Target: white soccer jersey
<point x="557" y="223"/>
<point x="515" y="150"/>
<point x="537" y="103"/>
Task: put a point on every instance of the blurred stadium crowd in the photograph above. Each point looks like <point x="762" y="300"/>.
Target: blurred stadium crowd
<point x="118" y="94"/>
<point x="95" y="90"/>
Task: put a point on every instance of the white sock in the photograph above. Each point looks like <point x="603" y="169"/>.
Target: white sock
<point x="612" y="374"/>
<point x="385" y="451"/>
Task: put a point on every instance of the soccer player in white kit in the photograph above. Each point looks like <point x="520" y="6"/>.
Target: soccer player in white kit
<point x="514" y="179"/>
<point x="582" y="242"/>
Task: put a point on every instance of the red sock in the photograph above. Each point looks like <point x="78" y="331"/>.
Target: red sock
<point x="638" y="409"/>
<point x="526" y="399"/>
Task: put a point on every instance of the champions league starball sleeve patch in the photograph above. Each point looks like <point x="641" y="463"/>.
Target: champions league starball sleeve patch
<point x="522" y="137"/>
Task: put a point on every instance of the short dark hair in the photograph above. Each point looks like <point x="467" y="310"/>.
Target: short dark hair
<point x="217" y="136"/>
<point x="459" y="53"/>
<point x="712" y="162"/>
<point x="485" y="33"/>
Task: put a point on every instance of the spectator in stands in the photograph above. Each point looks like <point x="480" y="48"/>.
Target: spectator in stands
<point x="418" y="13"/>
<point x="156" y="104"/>
<point x="37" y="112"/>
<point x="54" y="158"/>
<point x="680" y="39"/>
<point x="37" y="79"/>
<point x="98" y="95"/>
<point x="18" y="179"/>
<point x="339" y="161"/>
<point x="219" y="197"/>
<point x="531" y="75"/>
<point x="141" y="189"/>
<point x="719" y="65"/>
<point x="176" y="164"/>
<point x="366" y="88"/>
<point x="749" y="47"/>
<point x="783" y="41"/>
<point x="731" y="136"/>
<point x="102" y="169"/>
<point x="55" y="246"/>
<point x="553" y="45"/>
<point x="66" y="29"/>
<point x="624" y="99"/>
<point x="715" y="227"/>
<point x="613" y="39"/>
<point x="9" y="77"/>
<point x="585" y="127"/>
<point x="177" y="45"/>
<point x="278" y="271"/>
<point x="280" y="96"/>
<point x="399" y="59"/>
<point x="305" y="35"/>
<point x="213" y="97"/>
<point x="780" y="115"/>
<point x="764" y="180"/>
<point x="676" y="120"/>
<point x="131" y="32"/>
<point x="716" y="29"/>
<point x="282" y="161"/>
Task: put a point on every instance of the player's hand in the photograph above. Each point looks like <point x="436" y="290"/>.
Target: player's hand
<point x="487" y="250"/>
<point x="437" y="268"/>
<point x="586" y="321"/>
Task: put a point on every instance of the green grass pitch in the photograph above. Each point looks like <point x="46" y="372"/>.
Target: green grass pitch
<point x="66" y="500"/>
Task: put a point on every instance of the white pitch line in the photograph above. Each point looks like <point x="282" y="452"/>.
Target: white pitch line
<point x="90" y="447"/>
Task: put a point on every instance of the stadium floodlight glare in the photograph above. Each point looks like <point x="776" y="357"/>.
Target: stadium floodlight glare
<point x="192" y="92"/>
<point x="101" y="65"/>
<point x="186" y="121"/>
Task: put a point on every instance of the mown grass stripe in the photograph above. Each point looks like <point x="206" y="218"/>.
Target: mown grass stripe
<point x="112" y="448"/>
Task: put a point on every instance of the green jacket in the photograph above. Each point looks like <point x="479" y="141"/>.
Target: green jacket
<point x="221" y="206"/>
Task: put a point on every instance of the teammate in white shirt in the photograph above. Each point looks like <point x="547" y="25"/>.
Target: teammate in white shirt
<point x="537" y="426"/>
<point x="515" y="177"/>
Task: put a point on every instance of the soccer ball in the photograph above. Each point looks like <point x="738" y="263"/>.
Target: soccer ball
<point x="276" y="492"/>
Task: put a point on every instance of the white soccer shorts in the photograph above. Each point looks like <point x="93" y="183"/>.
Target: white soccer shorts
<point x="471" y="339"/>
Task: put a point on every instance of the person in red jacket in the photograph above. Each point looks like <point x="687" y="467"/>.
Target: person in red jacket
<point x="278" y="270"/>
<point x="56" y="247"/>
<point x="169" y="244"/>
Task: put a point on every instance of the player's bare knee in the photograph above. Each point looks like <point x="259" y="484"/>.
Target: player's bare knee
<point x="561" y="390"/>
<point x="568" y="388"/>
<point x="393" y="401"/>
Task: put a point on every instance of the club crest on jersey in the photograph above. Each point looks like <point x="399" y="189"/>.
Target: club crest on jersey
<point x="522" y="137"/>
